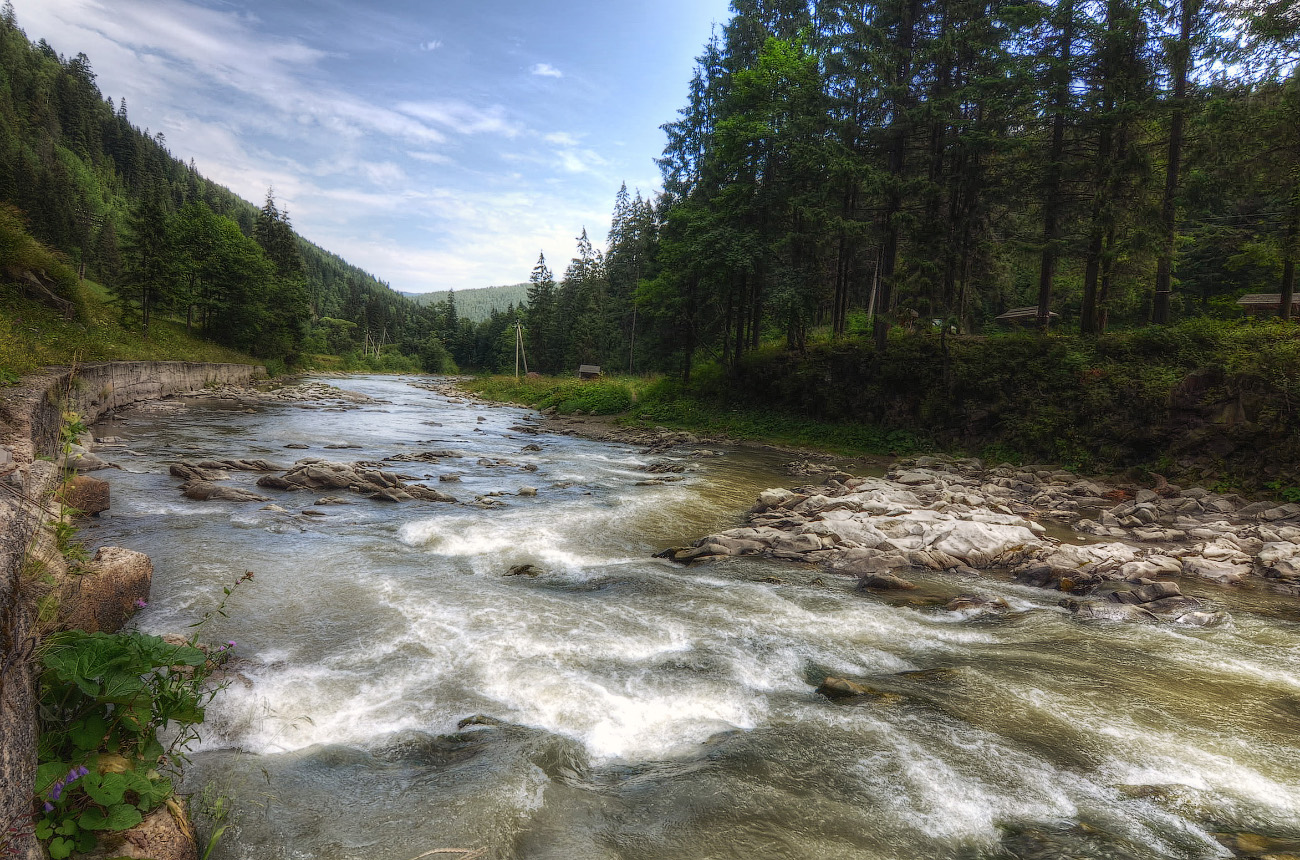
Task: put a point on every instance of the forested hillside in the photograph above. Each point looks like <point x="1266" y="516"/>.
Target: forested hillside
<point x="857" y="167"/>
<point x="164" y="240"/>
<point x="477" y="305"/>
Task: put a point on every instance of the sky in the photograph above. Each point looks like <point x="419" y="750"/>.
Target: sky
<point x="438" y="144"/>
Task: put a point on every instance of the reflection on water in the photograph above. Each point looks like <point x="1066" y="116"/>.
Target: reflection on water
<point x="642" y="710"/>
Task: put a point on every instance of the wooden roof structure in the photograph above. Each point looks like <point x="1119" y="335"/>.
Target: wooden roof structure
<point x="588" y="371"/>
<point x="1023" y="316"/>
<point x="1267" y="303"/>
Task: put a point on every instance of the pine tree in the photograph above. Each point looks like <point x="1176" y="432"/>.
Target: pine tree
<point x="539" y="317"/>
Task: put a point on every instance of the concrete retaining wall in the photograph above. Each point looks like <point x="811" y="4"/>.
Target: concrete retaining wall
<point x="31" y="414"/>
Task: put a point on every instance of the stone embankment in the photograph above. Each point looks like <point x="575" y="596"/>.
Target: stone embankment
<point x="98" y="595"/>
<point x="957" y="516"/>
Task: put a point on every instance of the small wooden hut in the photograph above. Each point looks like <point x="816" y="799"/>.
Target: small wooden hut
<point x="1268" y="304"/>
<point x="588" y="371"/>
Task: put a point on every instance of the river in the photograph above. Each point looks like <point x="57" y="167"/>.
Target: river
<point x="648" y="710"/>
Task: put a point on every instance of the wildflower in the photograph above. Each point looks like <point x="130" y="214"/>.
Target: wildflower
<point x="140" y="604"/>
<point x="230" y="644"/>
<point x="49" y="807"/>
<point x="57" y="790"/>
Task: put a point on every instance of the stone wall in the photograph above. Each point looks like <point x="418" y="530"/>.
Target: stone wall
<point x="30" y="418"/>
<point x="31" y="412"/>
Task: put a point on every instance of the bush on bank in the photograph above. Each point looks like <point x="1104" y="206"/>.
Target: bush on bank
<point x="1203" y="400"/>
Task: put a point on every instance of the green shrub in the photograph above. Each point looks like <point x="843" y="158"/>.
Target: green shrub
<point x="104" y="699"/>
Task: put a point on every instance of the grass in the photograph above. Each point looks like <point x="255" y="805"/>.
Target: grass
<point x="637" y="401"/>
<point x="33" y="335"/>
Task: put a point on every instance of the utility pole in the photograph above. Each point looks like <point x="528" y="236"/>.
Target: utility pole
<point x="519" y="349"/>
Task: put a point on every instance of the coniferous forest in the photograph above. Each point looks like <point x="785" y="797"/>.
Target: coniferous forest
<point x="839" y="169"/>
<point x="856" y="167"/>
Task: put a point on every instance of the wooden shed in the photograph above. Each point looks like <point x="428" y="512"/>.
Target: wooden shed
<point x="1023" y="316"/>
<point x="588" y="371"/>
<point x="1268" y="304"/>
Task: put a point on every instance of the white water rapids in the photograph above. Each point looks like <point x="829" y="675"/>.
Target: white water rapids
<point x="648" y="710"/>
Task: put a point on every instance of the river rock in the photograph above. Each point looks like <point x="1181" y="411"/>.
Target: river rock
<point x="104" y="595"/>
<point x="205" y="491"/>
<point x="842" y="688"/>
<point x="81" y="460"/>
<point x="883" y="581"/>
<point x="428" y="494"/>
<point x="1157" y="590"/>
<point x="1223" y="572"/>
<point x="240" y="465"/>
<point x="976" y="604"/>
<point x="192" y="472"/>
<point x="84" y="494"/>
<point x="527" y="491"/>
<point x="160" y="836"/>
<point x="524" y="570"/>
<point x="1107" y="611"/>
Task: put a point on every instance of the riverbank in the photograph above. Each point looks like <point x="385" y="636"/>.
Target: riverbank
<point x="43" y="420"/>
<point x="881" y="519"/>
<point x="1203" y="402"/>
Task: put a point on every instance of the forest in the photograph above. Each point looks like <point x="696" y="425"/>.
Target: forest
<point x="112" y="205"/>
<point x="852" y="168"/>
<point x="840" y="171"/>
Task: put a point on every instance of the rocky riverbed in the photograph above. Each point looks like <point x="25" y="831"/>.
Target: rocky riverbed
<point x="748" y="693"/>
<point x="963" y="518"/>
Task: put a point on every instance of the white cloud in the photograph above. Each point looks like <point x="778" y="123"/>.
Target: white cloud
<point x="560" y="138"/>
<point x="546" y="70"/>
<point x="580" y="161"/>
<point x="431" y="45"/>
<point x="460" y="117"/>
<point x="429" y="157"/>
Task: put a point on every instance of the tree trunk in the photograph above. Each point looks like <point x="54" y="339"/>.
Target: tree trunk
<point x="1052" y="200"/>
<point x="1180" y="68"/>
<point x="910" y="9"/>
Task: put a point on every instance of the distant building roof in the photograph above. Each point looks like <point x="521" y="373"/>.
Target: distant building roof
<point x="1022" y="315"/>
<point x="1266" y="299"/>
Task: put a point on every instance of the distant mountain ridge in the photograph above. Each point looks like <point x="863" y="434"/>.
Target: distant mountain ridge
<point x="477" y="304"/>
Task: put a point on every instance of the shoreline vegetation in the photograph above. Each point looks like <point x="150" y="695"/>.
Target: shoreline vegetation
<point x="1203" y="402"/>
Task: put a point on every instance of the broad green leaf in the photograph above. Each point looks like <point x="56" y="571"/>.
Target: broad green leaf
<point x="122" y="688"/>
<point x="105" y="789"/>
<point x="121" y="816"/>
<point x="67" y="828"/>
<point x="48" y="773"/>
<point x="88" y="733"/>
<point x="60" y="848"/>
<point x="151" y="751"/>
<point x="44" y="829"/>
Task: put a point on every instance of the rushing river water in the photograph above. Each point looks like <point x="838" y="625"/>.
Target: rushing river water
<point x="652" y="711"/>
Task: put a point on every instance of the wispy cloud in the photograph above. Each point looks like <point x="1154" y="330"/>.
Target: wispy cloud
<point x="431" y="45"/>
<point x="546" y="70"/>
<point x="461" y="117"/>
<point x="429" y="157"/>
<point x="560" y="138"/>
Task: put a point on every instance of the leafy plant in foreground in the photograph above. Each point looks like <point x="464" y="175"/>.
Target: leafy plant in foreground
<point x="104" y="700"/>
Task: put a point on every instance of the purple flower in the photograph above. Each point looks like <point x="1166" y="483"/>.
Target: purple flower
<point x="49" y="807"/>
<point x="230" y="644"/>
<point x="140" y="604"/>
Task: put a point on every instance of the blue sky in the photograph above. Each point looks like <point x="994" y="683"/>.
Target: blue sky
<point x="437" y="144"/>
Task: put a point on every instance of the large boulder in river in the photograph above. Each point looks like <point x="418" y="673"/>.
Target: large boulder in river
<point x="207" y="491"/>
<point x="110" y="588"/>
